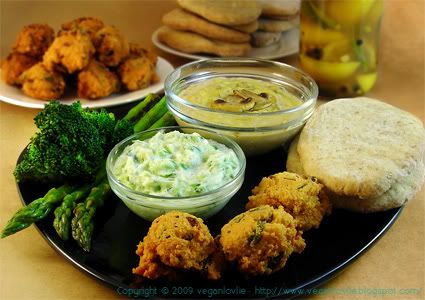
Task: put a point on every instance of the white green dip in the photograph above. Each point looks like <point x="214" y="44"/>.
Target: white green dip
<point x="240" y="94"/>
<point x="176" y="164"/>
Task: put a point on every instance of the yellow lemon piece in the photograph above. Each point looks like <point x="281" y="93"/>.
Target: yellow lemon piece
<point x="341" y="51"/>
<point x="345" y="51"/>
<point x="348" y="12"/>
<point x="312" y="33"/>
<point x="328" y="71"/>
<point x="366" y="81"/>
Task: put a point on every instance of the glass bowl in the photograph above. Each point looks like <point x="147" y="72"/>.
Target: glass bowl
<point x="150" y="206"/>
<point x="255" y="132"/>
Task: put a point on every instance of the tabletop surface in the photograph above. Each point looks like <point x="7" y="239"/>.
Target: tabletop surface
<point x="31" y="269"/>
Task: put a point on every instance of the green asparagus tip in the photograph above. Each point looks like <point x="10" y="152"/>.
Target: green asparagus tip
<point x="5" y="233"/>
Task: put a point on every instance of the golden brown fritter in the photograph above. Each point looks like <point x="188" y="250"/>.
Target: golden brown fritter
<point x="261" y="240"/>
<point x="138" y="70"/>
<point x="111" y="46"/>
<point x="87" y="25"/>
<point x="40" y="83"/>
<point x="216" y="262"/>
<point x="14" y="65"/>
<point x="137" y="73"/>
<point x="96" y="81"/>
<point x="177" y="241"/>
<point x="303" y="197"/>
<point x="137" y="51"/>
<point x="70" y="52"/>
<point x="34" y="40"/>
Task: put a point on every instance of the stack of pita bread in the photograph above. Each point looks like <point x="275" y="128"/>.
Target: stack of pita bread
<point x="277" y="17"/>
<point x="226" y="27"/>
<point x="368" y="154"/>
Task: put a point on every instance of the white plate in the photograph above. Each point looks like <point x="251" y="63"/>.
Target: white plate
<point x="14" y="95"/>
<point x="288" y="45"/>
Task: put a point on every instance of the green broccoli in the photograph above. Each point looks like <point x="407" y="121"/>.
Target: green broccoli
<point x="71" y="143"/>
<point x="123" y="129"/>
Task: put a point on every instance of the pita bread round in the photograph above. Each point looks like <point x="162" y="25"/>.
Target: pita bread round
<point x="247" y="28"/>
<point x="180" y="19"/>
<point x="280" y="8"/>
<point x="225" y="12"/>
<point x="401" y="191"/>
<point x="270" y="25"/>
<point x="361" y="146"/>
<point x="190" y="42"/>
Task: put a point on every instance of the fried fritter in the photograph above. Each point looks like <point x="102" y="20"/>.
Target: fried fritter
<point x="177" y="241"/>
<point x="87" y="25"/>
<point x="40" y="83"/>
<point x="138" y="70"/>
<point x="216" y="262"/>
<point x="261" y="240"/>
<point x="70" y="52"/>
<point x="96" y="81"/>
<point x="14" y="65"/>
<point x="137" y="73"/>
<point x="303" y="197"/>
<point x="138" y="51"/>
<point x="111" y="46"/>
<point x="34" y="40"/>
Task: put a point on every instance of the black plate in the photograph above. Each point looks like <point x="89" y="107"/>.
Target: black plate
<point x="341" y="238"/>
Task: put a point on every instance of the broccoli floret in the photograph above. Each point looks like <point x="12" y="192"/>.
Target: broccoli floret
<point x="71" y="142"/>
<point x="105" y="123"/>
<point x="123" y="129"/>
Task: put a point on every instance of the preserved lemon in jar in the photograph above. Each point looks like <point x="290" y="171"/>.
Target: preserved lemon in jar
<point x="339" y="44"/>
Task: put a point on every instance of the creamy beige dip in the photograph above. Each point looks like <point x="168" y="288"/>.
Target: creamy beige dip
<point x="240" y="94"/>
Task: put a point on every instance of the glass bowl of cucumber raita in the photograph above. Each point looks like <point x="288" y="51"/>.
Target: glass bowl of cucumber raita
<point x="176" y="168"/>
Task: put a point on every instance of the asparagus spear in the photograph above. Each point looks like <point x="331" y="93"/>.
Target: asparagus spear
<point x="82" y="223"/>
<point x="166" y="120"/>
<point x="63" y="212"/>
<point x="62" y="221"/>
<point x="125" y="126"/>
<point x="36" y="210"/>
<point x="151" y="116"/>
<point x="135" y="111"/>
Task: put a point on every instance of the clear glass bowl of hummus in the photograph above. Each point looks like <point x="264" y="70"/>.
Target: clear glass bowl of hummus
<point x="176" y="168"/>
<point x="258" y="103"/>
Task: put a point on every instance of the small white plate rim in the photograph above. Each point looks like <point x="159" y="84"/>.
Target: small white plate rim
<point x="14" y="95"/>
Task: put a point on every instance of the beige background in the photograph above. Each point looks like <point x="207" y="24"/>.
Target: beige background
<point x="30" y="269"/>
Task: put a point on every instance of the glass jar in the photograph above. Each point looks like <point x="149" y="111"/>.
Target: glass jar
<point x="339" y="44"/>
